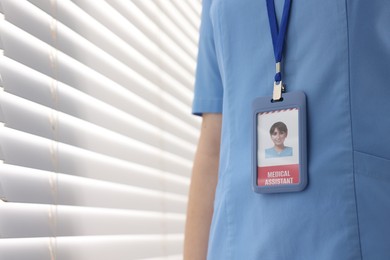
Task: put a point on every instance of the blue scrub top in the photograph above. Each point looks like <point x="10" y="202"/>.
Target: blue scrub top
<point x="272" y="153"/>
<point x="338" y="53"/>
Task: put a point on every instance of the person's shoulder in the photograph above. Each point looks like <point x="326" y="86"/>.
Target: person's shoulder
<point x="288" y="150"/>
<point x="269" y="152"/>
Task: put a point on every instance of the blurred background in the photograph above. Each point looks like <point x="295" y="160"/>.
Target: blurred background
<point x="96" y="132"/>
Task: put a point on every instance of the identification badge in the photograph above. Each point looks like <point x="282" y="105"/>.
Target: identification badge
<point x="279" y="158"/>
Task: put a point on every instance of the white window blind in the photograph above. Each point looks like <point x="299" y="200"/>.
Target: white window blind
<point x="96" y="136"/>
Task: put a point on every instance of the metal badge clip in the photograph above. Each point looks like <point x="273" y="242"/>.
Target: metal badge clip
<point x="278" y="89"/>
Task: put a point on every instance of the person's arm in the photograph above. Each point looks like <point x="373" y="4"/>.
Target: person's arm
<point x="202" y="189"/>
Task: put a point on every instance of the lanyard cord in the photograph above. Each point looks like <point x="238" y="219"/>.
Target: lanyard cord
<point x="278" y="39"/>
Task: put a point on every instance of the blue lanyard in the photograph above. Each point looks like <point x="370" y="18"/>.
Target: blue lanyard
<point x="278" y="38"/>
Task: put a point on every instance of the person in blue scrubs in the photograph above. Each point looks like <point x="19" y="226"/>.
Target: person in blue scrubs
<point x="338" y="53"/>
<point x="278" y="133"/>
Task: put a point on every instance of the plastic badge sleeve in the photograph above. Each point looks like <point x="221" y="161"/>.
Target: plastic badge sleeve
<point x="279" y="151"/>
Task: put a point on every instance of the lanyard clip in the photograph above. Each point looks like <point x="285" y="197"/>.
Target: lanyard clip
<point x="278" y="85"/>
<point x="278" y="89"/>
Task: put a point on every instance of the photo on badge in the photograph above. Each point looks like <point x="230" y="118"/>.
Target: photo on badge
<point x="278" y="147"/>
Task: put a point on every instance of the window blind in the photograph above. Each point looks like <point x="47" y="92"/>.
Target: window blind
<point x="96" y="136"/>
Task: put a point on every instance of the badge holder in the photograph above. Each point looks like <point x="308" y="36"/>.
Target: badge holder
<point x="279" y="146"/>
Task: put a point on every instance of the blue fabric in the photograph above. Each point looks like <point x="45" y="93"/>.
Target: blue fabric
<point x="272" y="153"/>
<point x="338" y="53"/>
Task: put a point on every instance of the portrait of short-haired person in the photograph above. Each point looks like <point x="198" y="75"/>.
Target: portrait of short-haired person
<point x="278" y="133"/>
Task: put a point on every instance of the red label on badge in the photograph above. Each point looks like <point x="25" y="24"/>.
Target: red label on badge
<point x="278" y="175"/>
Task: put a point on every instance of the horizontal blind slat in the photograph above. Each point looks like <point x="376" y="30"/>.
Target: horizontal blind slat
<point x="121" y="247"/>
<point x="90" y="193"/>
<point x="27" y="185"/>
<point x="21" y="184"/>
<point x="91" y="248"/>
<point x="64" y="189"/>
<point x="35" y="220"/>
<point x="32" y="151"/>
<point x="27" y="248"/>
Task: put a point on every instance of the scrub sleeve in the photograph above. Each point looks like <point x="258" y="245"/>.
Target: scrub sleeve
<point x="208" y="85"/>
